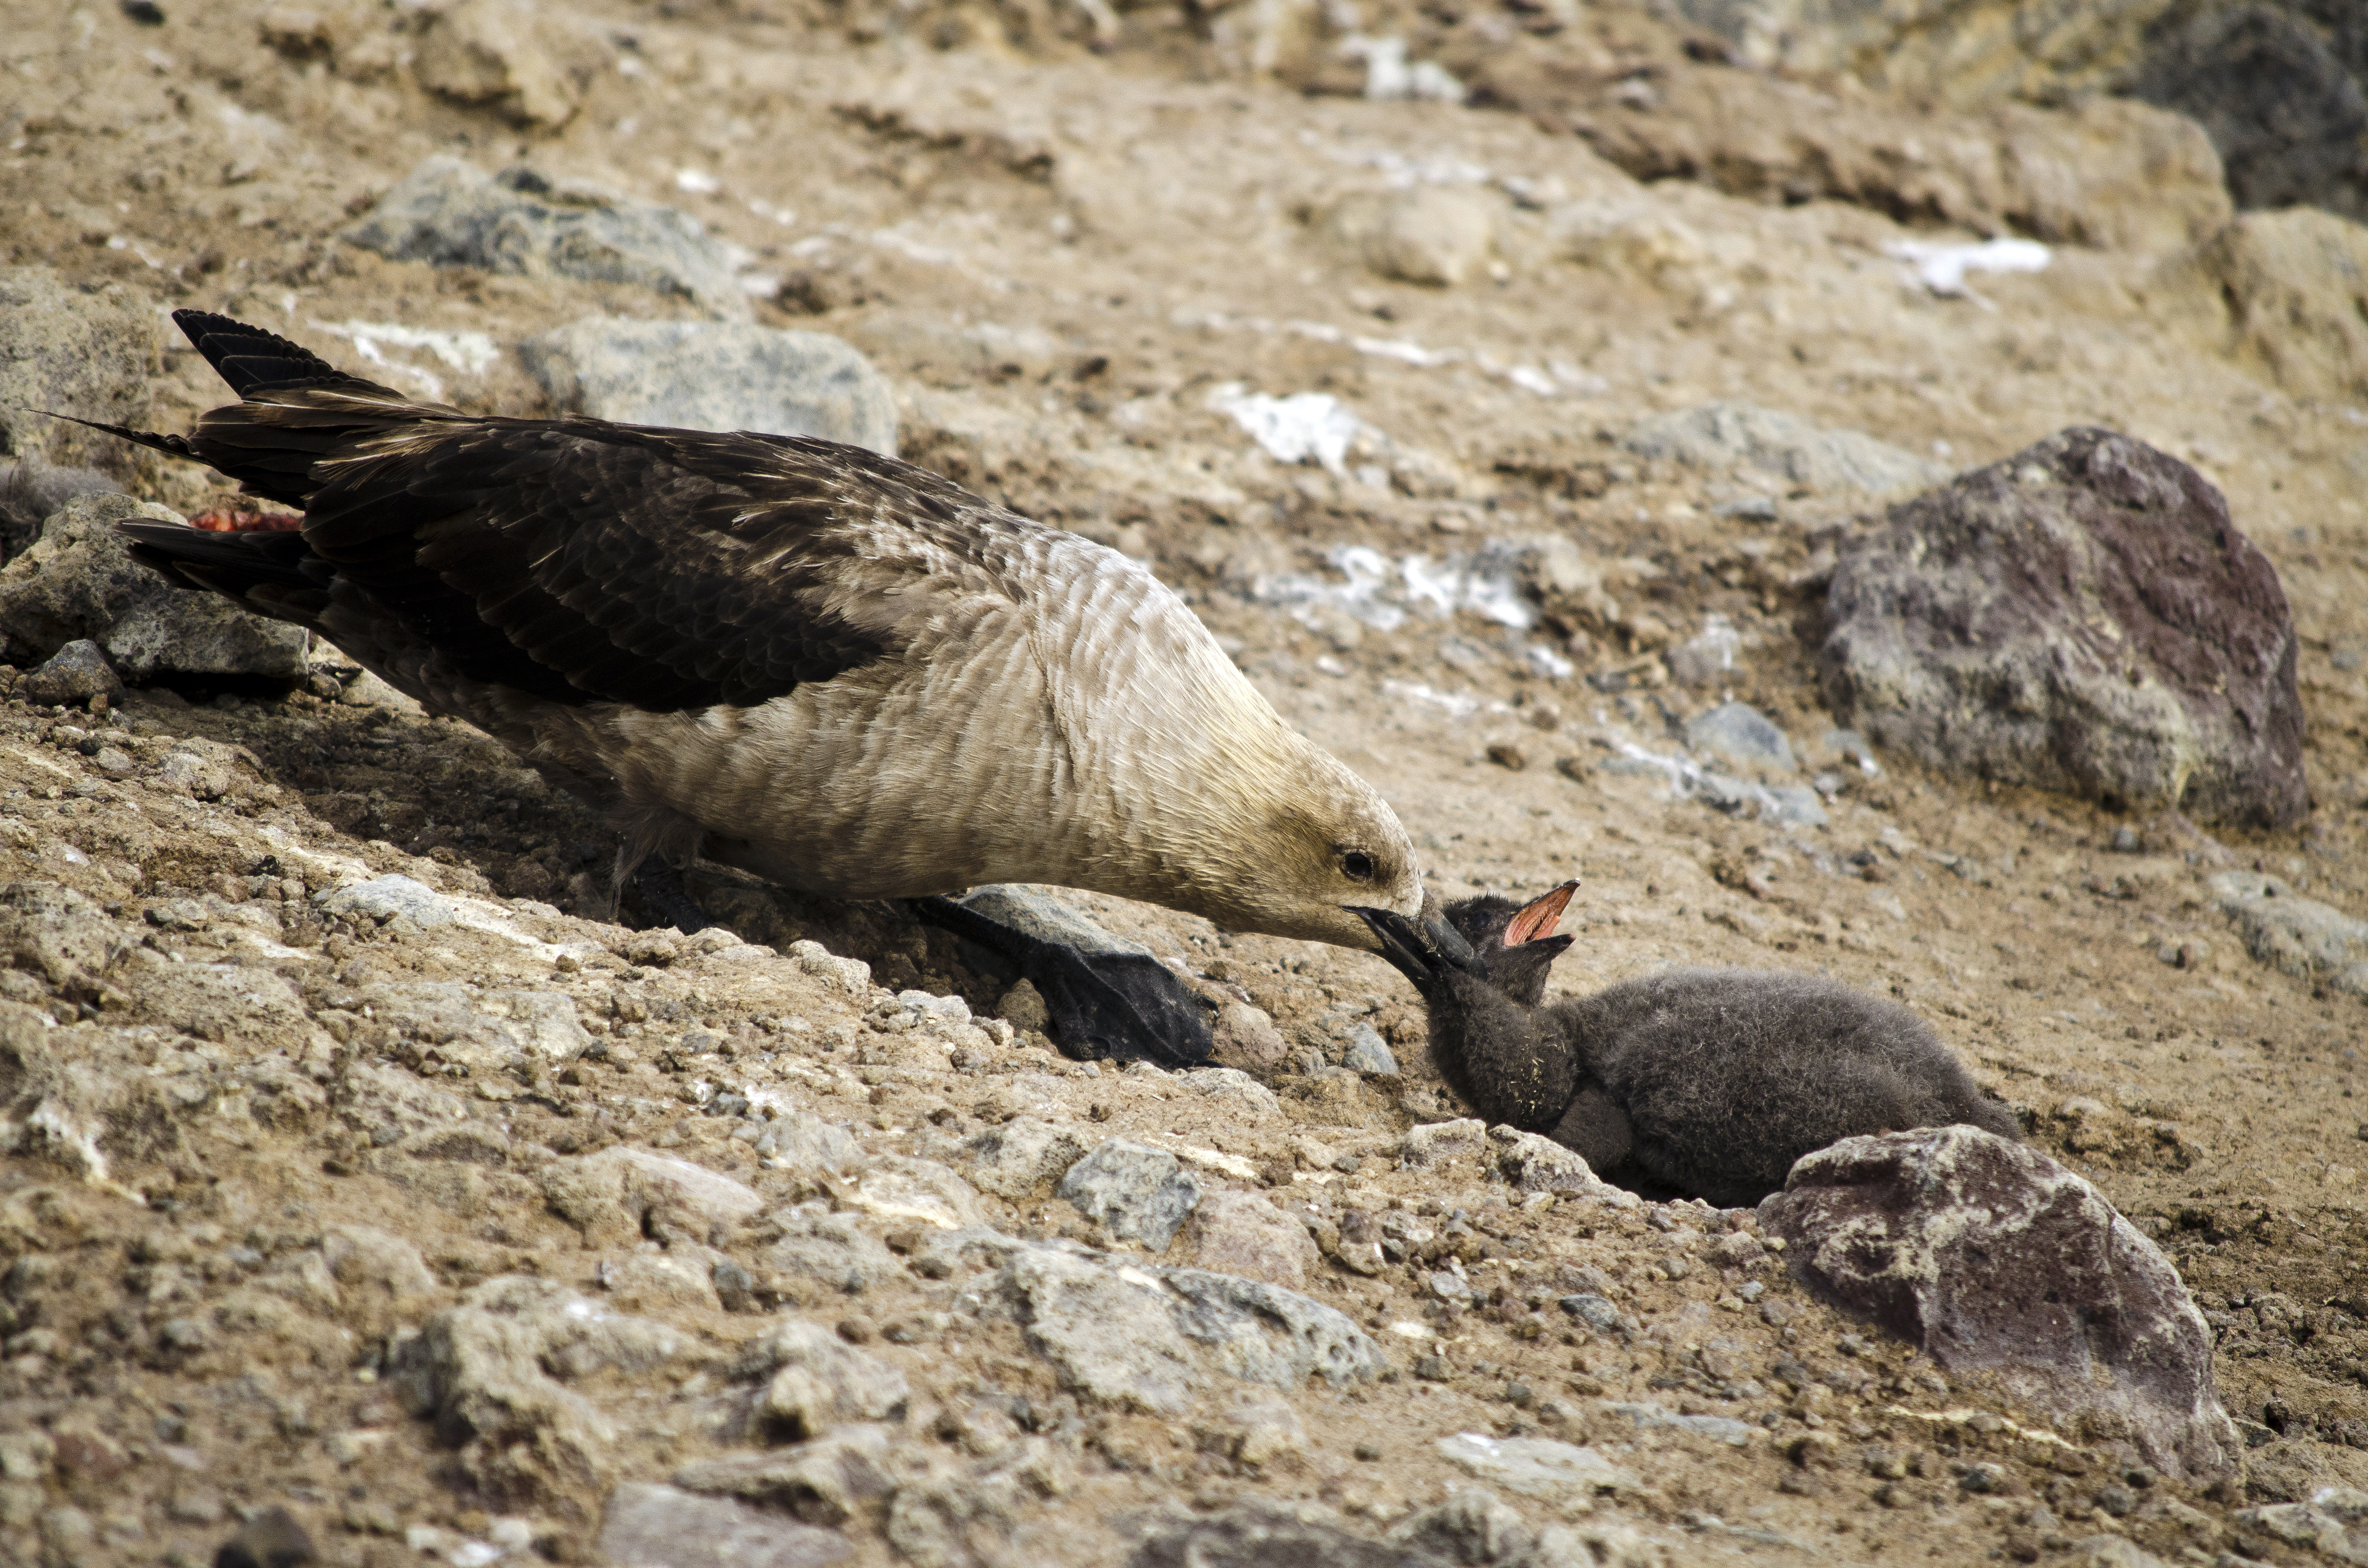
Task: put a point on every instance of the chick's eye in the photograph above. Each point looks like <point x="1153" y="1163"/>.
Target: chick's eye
<point x="1358" y="865"/>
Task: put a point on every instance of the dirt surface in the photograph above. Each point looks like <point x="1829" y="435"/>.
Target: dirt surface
<point x="1061" y="256"/>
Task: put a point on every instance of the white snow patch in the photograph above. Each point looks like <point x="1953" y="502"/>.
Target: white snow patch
<point x="1379" y="594"/>
<point x="1458" y="704"/>
<point x="1302" y="427"/>
<point x="1389" y="75"/>
<point x="467" y="351"/>
<point x="1941" y="268"/>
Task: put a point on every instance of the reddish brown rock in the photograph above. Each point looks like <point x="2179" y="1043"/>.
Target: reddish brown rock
<point x="2083" y="615"/>
<point x="1990" y="1256"/>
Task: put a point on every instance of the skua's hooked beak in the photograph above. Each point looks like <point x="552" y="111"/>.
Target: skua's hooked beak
<point x="1422" y="953"/>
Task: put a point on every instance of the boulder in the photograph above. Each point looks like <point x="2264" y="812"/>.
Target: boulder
<point x="802" y="1143"/>
<point x="1366" y="1053"/>
<point x="1990" y="1256"/>
<point x="1143" y="1337"/>
<point x="2085" y="616"/>
<point x="525" y="222"/>
<point x="899" y="1188"/>
<point x="824" y="1481"/>
<point x="2333" y="1523"/>
<point x="1536" y="1164"/>
<point x="1246" y="1040"/>
<point x="1753" y="443"/>
<point x="1442" y="1144"/>
<point x="715" y="376"/>
<point x="831" y="1250"/>
<point x="89" y="353"/>
<point x="1134" y="1192"/>
<point x="623" y="1192"/>
<point x="2301" y="936"/>
<point x="77" y="580"/>
<point x="72" y="676"/>
<point x="1742" y="735"/>
<point x="58" y="934"/>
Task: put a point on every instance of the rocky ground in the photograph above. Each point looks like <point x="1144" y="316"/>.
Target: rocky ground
<point x="466" y="1223"/>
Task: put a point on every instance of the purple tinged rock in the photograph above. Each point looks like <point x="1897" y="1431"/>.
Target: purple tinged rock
<point x="1988" y="1256"/>
<point x="72" y="676"/>
<point x="2082" y="616"/>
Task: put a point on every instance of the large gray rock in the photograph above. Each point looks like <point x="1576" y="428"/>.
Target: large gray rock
<point x="522" y="221"/>
<point x="1146" y="1338"/>
<point x="647" y="1525"/>
<point x="624" y="1192"/>
<point x="85" y="352"/>
<point x="2083" y="617"/>
<point x="1988" y="1256"/>
<point x="1741" y="734"/>
<point x="78" y="581"/>
<point x="1436" y="235"/>
<point x="1242" y="1234"/>
<point x="1760" y="443"/>
<point x="2300" y="936"/>
<point x="715" y="376"/>
<point x="1135" y="1192"/>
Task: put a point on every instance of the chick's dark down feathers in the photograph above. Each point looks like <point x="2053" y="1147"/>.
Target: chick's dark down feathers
<point x="1709" y="1080"/>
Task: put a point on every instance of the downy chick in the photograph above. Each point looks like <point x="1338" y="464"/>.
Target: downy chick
<point x="1709" y="1080"/>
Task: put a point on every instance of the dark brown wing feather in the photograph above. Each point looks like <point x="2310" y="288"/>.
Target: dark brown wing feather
<point x="573" y="559"/>
<point x="581" y="559"/>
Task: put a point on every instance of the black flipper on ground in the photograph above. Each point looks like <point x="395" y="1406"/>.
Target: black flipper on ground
<point x="1113" y="1006"/>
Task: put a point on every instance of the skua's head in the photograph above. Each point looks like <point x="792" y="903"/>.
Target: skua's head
<point x="1286" y="840"/>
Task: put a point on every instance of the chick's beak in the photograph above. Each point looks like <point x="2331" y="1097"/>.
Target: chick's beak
<point x="1421" y="951"/>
